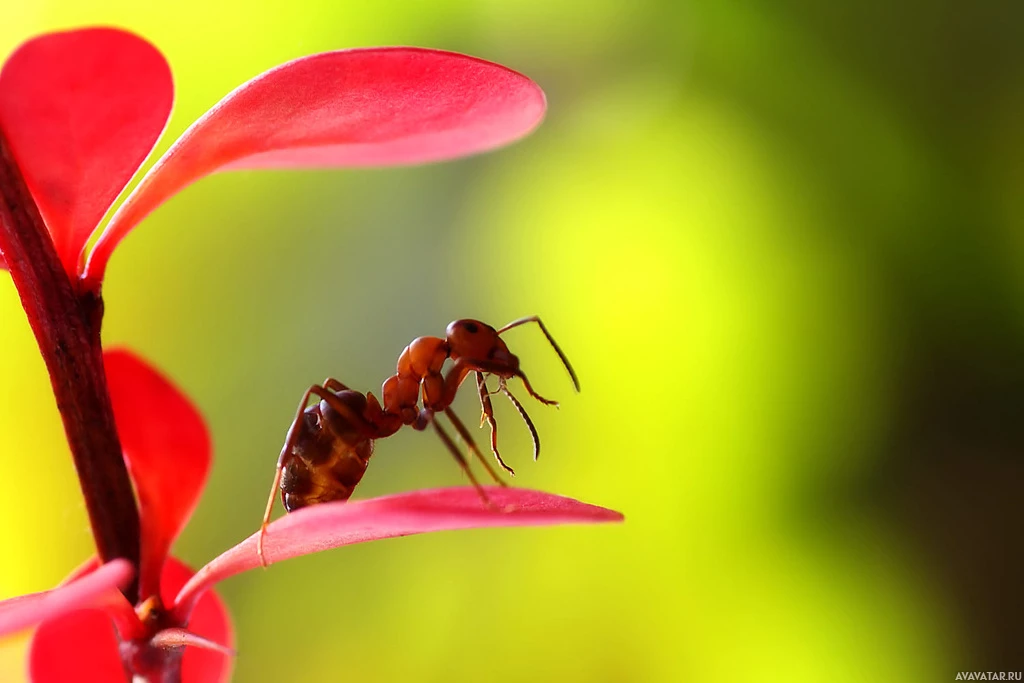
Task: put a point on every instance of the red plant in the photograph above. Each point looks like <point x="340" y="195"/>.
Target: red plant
<point x="91" y="633"/>
<point x="79" y="113"/>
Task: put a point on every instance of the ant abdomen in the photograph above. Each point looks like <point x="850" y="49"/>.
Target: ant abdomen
<point x="330" y="455"/>
<point x="339" y="425"/>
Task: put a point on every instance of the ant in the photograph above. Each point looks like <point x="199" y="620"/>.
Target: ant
<point x="329" y="444"/>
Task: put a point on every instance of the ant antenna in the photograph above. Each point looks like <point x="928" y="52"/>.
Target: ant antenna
<point x="551" y="340"/>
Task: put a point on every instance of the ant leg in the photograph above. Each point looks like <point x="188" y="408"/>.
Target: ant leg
<point x="551" y="340"/>
<point x="468" y="439"/>
<point x="486" y="409"/>
<point x="526" y="419"/>
<point x="334" y="385"/>
<point x="485" y="398"/>
<point x="269" y="510"/>
<point x="360" y="421"/>
<point x="488" y="414"/>
<point x="289" y="444"/>
<point x="453" y="380"/>
<point x="461" y="459"/>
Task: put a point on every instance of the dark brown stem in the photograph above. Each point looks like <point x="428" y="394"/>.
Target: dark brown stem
<point x="66" y="323"/>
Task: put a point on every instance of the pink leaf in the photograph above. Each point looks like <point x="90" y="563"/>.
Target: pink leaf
<point x="91" y="590"/>
<point x="331" y="525"/>
<point x="167" y="450"/>
<point x="83" y="646"/>
<point x="369" y="107"/>
<point x="118" y="609"/>
<point x="179" y="637"/>
<point x="81" y="110"/>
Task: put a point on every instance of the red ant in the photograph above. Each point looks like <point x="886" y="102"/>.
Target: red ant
<point x="330" y="443"/>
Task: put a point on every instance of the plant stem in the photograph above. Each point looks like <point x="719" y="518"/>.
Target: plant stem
<point x="66" y="323"/>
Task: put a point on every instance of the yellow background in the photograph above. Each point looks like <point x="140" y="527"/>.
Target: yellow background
<point x="739" y="220"/>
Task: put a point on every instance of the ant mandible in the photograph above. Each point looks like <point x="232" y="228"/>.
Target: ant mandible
<point x="329" y="444"/>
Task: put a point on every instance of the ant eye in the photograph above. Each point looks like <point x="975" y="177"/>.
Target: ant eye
<point x="472" y="328"/>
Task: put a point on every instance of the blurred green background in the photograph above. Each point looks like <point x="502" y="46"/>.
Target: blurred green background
<point x="783" y="244"/>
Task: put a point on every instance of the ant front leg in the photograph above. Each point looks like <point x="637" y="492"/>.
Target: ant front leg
<point x="487" y="411"/>
<point x="473" y="448"/>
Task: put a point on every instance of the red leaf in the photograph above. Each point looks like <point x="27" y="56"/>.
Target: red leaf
<point x="81" y="110"/>
<point x="80" y="646"/>
<point x="210" y="620"/>
<point x="83" y="646"/>
<point x="89" y="591"/>
<point x="369" y="107"/>
<point x="332" y="525"/>
<point x="167" y="450"/>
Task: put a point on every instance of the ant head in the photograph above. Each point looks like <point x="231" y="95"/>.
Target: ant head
<point x="479" y="342"/>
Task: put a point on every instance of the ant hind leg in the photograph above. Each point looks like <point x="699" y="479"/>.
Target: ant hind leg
<point x="289" y="442"/>
<point x="266" y="515"/>
<point x="334" y="385"/>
